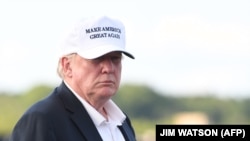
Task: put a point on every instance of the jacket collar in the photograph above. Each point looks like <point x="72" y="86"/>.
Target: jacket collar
<point x="78" y="115"/>
<point x="82" y="119"/>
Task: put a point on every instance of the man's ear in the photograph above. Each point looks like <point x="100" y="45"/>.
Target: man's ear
<point x="66" y="66"/>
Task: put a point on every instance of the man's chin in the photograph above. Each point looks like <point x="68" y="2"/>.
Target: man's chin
<point x="107" y="91"/>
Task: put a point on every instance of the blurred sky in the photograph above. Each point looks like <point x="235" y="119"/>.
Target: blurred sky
<point x="181" y="46"/>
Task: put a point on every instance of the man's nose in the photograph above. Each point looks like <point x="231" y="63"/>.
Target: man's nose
<point x="107" y="66"/>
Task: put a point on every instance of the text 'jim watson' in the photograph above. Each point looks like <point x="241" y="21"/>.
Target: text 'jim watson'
<point x="202" y="132"/>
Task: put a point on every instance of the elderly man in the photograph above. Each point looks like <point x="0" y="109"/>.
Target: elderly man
<point x="80" y="108"/>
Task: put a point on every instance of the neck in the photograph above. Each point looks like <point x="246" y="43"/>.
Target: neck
<point x="104" y="113"/>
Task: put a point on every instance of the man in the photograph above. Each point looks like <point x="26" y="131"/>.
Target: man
<point x="81" y="109"/>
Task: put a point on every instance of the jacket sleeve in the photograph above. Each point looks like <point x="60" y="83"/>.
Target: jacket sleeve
<point x="33" y="127"/>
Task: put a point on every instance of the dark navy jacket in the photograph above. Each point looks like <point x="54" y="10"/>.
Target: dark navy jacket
<point x="61" y="117"/>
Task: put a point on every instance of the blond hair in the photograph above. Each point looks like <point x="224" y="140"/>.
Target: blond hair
<point x="60" y="66"/>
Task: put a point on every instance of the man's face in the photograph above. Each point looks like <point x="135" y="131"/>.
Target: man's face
<point x="96" y="79"/>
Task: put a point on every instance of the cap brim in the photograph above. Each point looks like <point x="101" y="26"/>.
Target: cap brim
<point x="102" y="50"/>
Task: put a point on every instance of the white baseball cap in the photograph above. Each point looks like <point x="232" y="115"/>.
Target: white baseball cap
<point x="94" y="37"/>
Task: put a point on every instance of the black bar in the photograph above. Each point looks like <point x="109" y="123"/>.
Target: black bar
<point x="214" y="132"/>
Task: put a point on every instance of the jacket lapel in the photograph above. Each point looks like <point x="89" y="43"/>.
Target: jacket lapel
<point x="79" y="114"/>
<point x="86" y="126"/>
<point x="127" y="131"/>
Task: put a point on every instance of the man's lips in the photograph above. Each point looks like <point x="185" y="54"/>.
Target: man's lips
<point x="107" y="82"/>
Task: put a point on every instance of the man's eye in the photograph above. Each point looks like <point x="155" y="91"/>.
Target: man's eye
<point x="116" y="58"/>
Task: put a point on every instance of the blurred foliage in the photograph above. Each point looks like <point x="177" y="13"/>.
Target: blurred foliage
<point x="12" y="106"/>
<point x="145" y="107"/>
